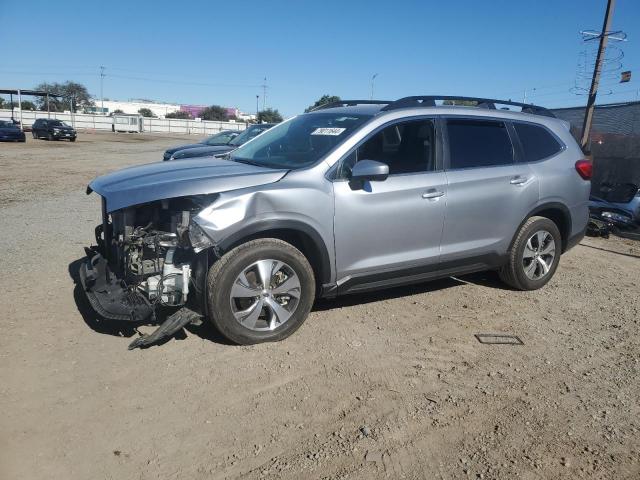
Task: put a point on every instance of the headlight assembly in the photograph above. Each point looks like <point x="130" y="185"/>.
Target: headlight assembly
<point x="199" y="240"/>
<point x="615" y="216"/>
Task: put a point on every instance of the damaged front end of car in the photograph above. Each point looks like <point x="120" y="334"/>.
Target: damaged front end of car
<point x="149" y="256"/>
<point x="151" y="249"/>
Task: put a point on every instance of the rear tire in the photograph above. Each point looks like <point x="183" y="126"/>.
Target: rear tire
<point x="534" y="255"/>
<point x="248" y="319"/>
<point x="33" y="134"/>
<point x="72" y="139"/>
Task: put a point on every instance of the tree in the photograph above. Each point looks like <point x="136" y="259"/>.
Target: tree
<point x="146" y="112"/>
<point x="215" y="112"/>
<point x="2" y="102"/>
<point x="69" y="91"/>
<point x="269" y="116"/>
<point x="117" y="111"/>
<point x="179" y="114"/>
<point x="322" y="101"/>
<point x="27" y="105"/>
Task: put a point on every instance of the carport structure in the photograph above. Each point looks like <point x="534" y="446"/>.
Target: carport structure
<point x="19" y="93"/>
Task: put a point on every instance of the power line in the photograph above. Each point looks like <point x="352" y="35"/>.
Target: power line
<point x="129" y="77"/>
<point x="181" y="82"/>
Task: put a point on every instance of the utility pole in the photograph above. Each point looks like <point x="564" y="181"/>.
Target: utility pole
<point x="372" y="81"/>
<point x="257" y="98"/>
<point x="264" y="94"/>
<point x="595" y="81"/>
<point x="101" y="91"/>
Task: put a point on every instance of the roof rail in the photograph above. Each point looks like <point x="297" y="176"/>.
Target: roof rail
<point x="489" y="103"/>
<point x="350" y="103"/>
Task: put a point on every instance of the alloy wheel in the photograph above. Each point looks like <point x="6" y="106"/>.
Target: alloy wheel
<point x="539" y="255"/>
<point x="265" y="295"/>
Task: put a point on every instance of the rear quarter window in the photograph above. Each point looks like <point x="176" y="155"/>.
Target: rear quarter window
<point x="537" y="142"/>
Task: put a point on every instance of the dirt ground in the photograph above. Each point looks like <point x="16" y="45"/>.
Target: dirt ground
<point x="386" y="385"/>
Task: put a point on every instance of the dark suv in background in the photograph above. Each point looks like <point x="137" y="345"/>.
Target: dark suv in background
<point x="53" y="130"/>
<point x="211" y="146"/>
<point x="10" y="132"/>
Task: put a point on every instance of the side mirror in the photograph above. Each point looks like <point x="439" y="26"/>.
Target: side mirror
<point x="370" y="170"/>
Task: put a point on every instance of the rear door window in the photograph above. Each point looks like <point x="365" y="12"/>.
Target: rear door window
<point x="537" y="142"/>
<point x="478" y="143"/>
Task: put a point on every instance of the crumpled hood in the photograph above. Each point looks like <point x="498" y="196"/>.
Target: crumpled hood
<point x="162" y="180"/>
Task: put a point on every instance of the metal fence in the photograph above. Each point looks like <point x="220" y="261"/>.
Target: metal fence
<point x="83" y="121"/>
<point x="615" y="141"/>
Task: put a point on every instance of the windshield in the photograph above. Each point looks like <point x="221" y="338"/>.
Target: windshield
<point x="57" y="123"/>
<point x="248" y="134"/>
<point x="4" y="124"/>
<point x="221" y="138"/>
<point x="301" y="141"/>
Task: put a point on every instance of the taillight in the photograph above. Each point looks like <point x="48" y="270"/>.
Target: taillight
<point x="584" y="169"/>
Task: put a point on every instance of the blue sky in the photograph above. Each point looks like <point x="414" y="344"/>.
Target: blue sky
<point x="219" y="52"/>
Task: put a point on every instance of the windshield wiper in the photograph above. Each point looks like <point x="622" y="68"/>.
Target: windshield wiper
<point x="244" y="160"/>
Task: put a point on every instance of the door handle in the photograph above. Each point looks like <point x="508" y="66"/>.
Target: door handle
<point x="432" y="194"/>
<point x="518" y="180"/>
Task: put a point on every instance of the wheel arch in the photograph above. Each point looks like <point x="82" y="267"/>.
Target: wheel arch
<point x="558" y="214"/>
<point x="302" y="236"/>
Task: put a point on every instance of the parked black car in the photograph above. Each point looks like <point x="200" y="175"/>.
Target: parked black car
<point x="53" y="130"/>
<point x="220" y="138"/>
<point x="10" y="132"/>
<point x="204" y="150"/>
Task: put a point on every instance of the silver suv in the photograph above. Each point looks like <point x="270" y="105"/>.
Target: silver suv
<point x="354" y="196"/>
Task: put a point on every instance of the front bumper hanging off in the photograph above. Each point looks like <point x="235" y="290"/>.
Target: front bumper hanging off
<point x="109" y="296"/>
<point x="112" y="299"/>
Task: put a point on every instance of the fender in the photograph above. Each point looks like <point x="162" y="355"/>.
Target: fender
<point x="549" y="206"/>
<point x="256" y="228"/>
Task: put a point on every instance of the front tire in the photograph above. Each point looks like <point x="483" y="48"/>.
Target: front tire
<point x="261" y="291"/>
<point x="534" y="255"/>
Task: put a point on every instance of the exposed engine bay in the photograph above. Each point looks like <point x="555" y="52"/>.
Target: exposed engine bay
<point x="148" y="256"/>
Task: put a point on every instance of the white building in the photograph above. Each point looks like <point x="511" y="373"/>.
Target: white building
<point x="159" y="109"/>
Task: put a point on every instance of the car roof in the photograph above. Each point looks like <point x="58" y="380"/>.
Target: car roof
<point x="351" y="109"/>
<point x="375" y="111"/>
<point x="421" y="105"/>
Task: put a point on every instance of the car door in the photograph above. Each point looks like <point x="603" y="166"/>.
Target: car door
<point x="386" y="231"/>
<point x="489" y="193"/>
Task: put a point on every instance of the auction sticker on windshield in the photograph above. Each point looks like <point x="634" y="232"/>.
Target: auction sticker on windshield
<point x="328" y="131"/>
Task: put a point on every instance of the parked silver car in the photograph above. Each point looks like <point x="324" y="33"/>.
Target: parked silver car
<point x="354" y="196"/>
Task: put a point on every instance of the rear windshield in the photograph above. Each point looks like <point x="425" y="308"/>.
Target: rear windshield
<point x="4" y="124"/>
<point x="299" y="142"/>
